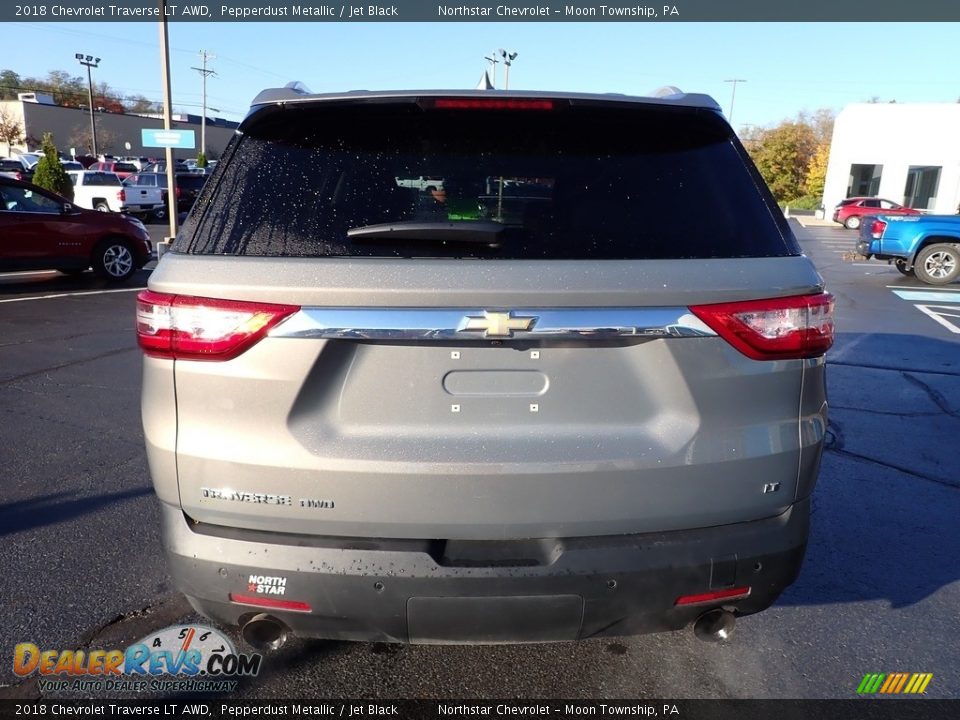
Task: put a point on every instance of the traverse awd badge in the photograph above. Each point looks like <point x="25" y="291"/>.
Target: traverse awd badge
<point x="496" y="324"/>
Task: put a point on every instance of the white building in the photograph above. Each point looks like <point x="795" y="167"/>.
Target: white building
<point x="908" y="153"/>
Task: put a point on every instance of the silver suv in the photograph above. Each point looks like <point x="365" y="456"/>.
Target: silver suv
<point x="577" y="392"/>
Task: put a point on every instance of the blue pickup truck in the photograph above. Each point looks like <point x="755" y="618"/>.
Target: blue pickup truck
<point x="927" y="246"/>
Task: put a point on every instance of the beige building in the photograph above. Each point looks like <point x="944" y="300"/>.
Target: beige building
<point x="117" y="134"/>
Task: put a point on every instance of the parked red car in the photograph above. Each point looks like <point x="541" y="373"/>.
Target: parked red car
<point x="120" y="168"/>
<point x="40" y="230"/>
<point x="849" y="211"/>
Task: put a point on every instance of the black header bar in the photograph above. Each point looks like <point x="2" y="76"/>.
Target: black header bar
<point x="606" y="11"/>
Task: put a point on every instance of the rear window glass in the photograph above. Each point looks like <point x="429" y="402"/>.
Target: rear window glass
<point x="397" y="180"/>
<point x="101" y="178"/>
<point x="191" y="181"/>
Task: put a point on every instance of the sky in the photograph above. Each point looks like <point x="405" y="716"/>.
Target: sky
<point x="788" y="67"/>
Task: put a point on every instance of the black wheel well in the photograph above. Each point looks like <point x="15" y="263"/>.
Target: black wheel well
<point x="112" y="237"/>
<point x="935" y="240"/>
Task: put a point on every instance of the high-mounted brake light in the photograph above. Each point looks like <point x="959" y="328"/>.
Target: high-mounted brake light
<point x="709" y="597"/>
<point x="876" y="229"/>
<point x="774" y="329"/>
<point x="193" y="328"/>
<point x="492" y="104"/>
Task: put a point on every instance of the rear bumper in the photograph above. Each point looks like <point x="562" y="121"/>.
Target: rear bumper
<point x="514" y="591"/>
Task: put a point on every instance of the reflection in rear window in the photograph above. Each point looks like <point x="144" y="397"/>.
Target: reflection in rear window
<point x="576" y="182"/>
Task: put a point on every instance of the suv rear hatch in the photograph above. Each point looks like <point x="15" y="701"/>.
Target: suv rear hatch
<point x="522" y="355"/>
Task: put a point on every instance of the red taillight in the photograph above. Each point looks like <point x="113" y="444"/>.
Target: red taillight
<point x="122" y="196"/>
<point x="492" y="104"/>
<point x="19" y="175"/>
<point x="193" y="328"/>
<point x="709" y="597"/>
<point x="176" y="191"/>
<point x="255" y="601"/>
<point x="876" y="229"/>
<point x="775" y="329"/>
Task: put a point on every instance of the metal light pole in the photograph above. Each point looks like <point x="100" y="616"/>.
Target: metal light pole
<point x="204" y="72"/>
<point x="492" y="59"/>
<point x="508" y="59"/>
<point x="90" y="62"/>
<point x="733" y="96"/>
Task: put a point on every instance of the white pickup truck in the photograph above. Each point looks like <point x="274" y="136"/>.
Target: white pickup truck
<point x="105" y="191"/>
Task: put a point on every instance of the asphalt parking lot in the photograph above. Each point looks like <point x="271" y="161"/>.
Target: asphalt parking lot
<point x="879" y="592"/>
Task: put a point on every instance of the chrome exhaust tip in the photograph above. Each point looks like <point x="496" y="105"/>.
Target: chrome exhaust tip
<point x="715" y="626"/>
<point x="264" y="633"/>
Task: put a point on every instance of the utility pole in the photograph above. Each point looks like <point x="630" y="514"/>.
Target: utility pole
<point x="508" y="58"/>
<point x="90" y="62"/>
<point x="492" y="59"/>
<point x="167" y="125"/>
<point x="204" y="72"/>
<point x="733" y="96"/>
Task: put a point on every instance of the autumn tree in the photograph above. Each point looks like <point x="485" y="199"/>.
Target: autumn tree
<point x="67" y="90"/>
<point x="11" y="130"/>
<point x="140" y="104"/>
<point x="817" y="172"/>
<point x="782" y="155"/>
<point x="792" y="157"/>
<point x="49" y="172"/>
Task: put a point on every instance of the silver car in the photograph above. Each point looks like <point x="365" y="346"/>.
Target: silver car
<point x="579" y="392"/>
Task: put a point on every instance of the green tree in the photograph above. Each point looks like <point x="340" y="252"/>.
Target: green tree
<point x="50" y="173"/>
<point x="9" y="85"/>
<point x="782" y="156"/>
<point x="201" y="160"/>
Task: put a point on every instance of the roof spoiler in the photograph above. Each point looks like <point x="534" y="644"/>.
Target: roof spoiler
<point x="292" y="90"/>
<point x="296" y="91"/>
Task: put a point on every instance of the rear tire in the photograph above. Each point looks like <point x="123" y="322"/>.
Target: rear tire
<point x="938" y="264"/>
<point x="101" y="206"/>
<point x="904" y="267"/>
<point x="113" y="260"/>
<point x="160" y="214"/>
<point x="852" y="222"/>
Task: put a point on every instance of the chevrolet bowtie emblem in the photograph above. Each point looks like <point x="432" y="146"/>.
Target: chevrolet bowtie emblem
<point x="496" y="324"/>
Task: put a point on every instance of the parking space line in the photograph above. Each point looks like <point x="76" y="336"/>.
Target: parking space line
<point x="923" y="287"/>
<point x="927" y="296"/>
<point x="940" y="313"/>
<point x="73" y="294"/>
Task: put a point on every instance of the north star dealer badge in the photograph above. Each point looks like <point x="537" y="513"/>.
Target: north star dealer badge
<point x="267" y="585"/>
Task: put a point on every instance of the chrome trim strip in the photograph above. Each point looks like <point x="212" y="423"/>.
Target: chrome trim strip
<point x="473" y="324"/>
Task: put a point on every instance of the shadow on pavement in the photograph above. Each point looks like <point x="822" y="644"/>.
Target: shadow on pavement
<point x="56" y="508"/>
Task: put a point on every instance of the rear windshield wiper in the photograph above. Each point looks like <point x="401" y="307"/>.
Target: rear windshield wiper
<point x="464" y="231"/>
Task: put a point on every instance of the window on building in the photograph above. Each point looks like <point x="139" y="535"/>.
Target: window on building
<point x="864" y="180"/>
<point x="921" y="188"/>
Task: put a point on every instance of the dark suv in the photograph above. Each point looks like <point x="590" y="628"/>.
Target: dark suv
<point x="547" y="403"/>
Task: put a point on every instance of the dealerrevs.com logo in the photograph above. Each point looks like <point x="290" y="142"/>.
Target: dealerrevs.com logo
<point x="179" y="658"/>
